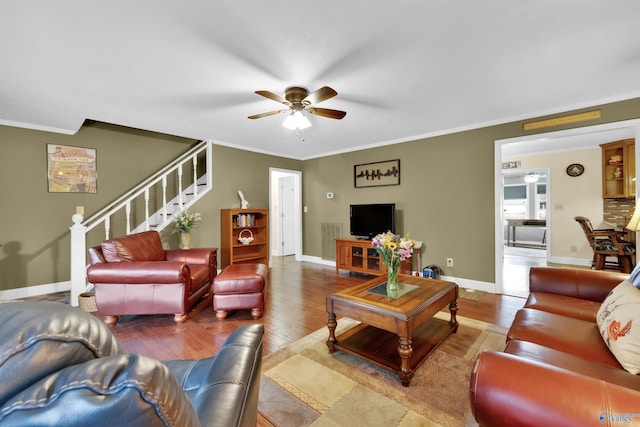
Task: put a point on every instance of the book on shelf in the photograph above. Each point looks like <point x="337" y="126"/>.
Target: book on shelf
<point x="245" y="220"/>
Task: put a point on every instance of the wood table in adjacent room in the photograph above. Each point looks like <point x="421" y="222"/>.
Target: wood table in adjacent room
<point x="396" y="334"/>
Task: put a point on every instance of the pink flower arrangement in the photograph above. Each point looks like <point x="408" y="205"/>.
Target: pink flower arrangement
<point x="392" y="248"/>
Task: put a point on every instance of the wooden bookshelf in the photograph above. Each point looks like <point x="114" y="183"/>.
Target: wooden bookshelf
<point x="236" y="223"/>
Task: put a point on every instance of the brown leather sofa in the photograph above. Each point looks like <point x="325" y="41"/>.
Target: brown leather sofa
<point x="556" y="369"/>
<point x="61" y="366"/>
<point x="134" y="274"/>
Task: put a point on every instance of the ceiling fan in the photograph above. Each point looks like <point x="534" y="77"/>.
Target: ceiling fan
<point x="298" y="100"/>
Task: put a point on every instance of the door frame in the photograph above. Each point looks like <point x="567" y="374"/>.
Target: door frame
<point x="633" y="125"/>
<point x="274" y="195"/>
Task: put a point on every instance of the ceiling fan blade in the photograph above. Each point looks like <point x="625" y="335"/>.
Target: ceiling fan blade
<point x="326" y="112"/>
<point x="270" y="113"/>
<point x="320" y="95"/>
<point x="273" y="96"/>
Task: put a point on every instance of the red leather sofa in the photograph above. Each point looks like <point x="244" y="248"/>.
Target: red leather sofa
<point x="134" y="274"/>
<point x="556" y="369"/>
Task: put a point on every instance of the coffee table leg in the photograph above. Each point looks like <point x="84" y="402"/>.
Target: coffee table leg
<point x="331" y="324"/>
<point x="405" y="351"/>
<point x="453" y="309"/>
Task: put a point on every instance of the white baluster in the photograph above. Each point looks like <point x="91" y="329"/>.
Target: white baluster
<point x="127" y="213"/>
<point x="209" y="165"/>
<point x="165" y="212"/>
<point x="180" y="201"/>
<point x="107" y="227"/>
<point x="195" y="175"/>
<point x="146" y="208"/>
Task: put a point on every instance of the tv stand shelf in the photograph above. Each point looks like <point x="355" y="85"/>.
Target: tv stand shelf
<point x="358" y="256"/>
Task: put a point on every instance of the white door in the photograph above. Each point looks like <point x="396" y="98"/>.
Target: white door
<point x="287" y="215"/>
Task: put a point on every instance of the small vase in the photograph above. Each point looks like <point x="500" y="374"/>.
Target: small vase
<point x="185" y="239"/>
<point x="392" y="281"/>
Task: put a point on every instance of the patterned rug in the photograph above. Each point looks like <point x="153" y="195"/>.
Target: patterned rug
<point x="303" y="384"/>
<point x="471" y="294"/>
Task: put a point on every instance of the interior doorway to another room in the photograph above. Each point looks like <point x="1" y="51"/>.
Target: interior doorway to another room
<point x="285" y="208"/>
<point x="524" y="206"/>
<point x="513" y="262"/>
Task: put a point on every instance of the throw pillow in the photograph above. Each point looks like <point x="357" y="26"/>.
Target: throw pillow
<point x="618" y="320"/>
<point x="109" y="251"/>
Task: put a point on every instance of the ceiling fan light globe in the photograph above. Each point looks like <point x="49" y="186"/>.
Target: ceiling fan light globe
<point x="296" y="120"/>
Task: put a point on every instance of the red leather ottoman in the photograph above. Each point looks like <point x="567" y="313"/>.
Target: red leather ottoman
<point x="240" y="286"/>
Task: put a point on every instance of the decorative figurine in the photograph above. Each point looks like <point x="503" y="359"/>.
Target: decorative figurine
<point x="244" y="203"/>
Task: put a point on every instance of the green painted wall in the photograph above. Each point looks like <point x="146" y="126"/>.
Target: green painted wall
<point x="34" y="224"/>
<point x="445" y="197"/>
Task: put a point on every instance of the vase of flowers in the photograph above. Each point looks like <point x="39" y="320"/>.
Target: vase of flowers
<point x="184" y="222"/>
<point x="393" y="250"/>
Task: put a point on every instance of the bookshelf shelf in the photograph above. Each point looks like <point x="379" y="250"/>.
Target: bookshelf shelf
<point x="232" y="224"/>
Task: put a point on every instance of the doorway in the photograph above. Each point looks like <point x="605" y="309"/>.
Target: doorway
<point x="285" y="207"/>
<point x="525" y="199"/>
<point x="559" y="141"/>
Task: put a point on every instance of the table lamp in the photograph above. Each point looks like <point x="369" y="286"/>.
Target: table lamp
<point x="416" y="251"/>
<point x="634" y="222"/>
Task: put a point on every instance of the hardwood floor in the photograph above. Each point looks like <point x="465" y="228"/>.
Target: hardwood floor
<point x="295" y="307"/>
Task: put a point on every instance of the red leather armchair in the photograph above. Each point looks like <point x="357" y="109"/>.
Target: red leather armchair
<point x="134" y="274"/>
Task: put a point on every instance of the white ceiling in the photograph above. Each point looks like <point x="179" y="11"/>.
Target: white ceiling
<point x="402" y="69"/>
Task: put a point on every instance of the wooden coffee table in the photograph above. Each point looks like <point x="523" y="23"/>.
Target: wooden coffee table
<point x="395" y="334"/>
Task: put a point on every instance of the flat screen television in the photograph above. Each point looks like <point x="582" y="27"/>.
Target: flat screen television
<point x="368" y="220"/>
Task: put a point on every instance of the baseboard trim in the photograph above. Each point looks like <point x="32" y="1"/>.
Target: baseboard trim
<point x="34" y="291"/>
<point x="580" y="262"/>
<point x="463" y="283"/>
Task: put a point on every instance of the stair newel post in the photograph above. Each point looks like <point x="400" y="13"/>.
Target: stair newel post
<point x="78" y="259"/>
<point x="195" y="174"/>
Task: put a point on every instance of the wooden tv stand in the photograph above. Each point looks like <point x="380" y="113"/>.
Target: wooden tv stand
<point x="358" y="256"/>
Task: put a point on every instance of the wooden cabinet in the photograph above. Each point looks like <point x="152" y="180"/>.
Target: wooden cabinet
<point x="244" y="223"/>
<point x="619" y="169"/>
<point x="360" y="257"/>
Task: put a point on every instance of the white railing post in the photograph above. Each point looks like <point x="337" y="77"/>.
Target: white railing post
<point x="180" y="201"/>
<point x="127" y="215"/>
<point x="165" y="213"/>
<point x="209" y="165"/>
<point x="195" y="175"/>
<point x="78" y="259"/>
<point x="146" y="209"/>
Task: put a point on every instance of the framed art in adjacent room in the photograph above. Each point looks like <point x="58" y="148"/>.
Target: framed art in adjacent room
<point x="377" y="174"/>
<point x="71" y="169"/>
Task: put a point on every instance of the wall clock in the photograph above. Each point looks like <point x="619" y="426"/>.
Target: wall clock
<point x="575" y="169"/>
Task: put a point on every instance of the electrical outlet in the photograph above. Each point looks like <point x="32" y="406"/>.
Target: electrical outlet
<point x="449" y="262"/>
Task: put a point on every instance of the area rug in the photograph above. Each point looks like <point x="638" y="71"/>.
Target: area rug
<point x="471" y="294"/>
<point x="305" y="385"/>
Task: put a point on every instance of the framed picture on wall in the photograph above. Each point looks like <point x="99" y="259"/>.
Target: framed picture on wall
<point x="71" y="169"/>
<point x="377" y="174"/>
